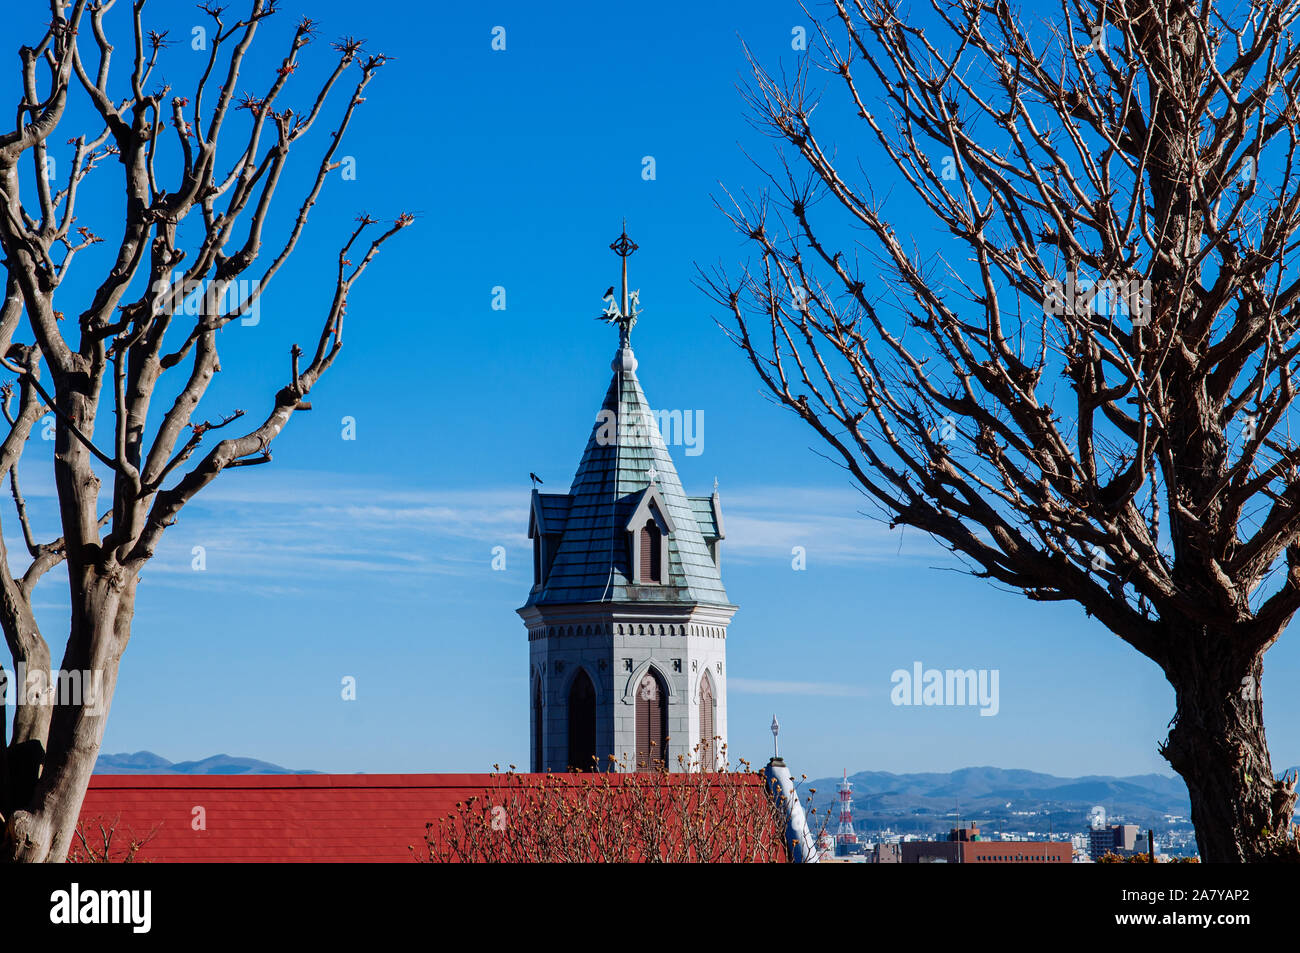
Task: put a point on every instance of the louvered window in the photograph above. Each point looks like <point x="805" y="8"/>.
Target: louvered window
<point x="708" y="756"/>
<point x="651" y="723"/>
<point x="537" y="560"/>
<point x="651" y="552"/>
<point x="582" y="723"/>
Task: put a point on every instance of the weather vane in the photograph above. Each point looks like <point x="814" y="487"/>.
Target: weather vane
<point x="624" y="311"/>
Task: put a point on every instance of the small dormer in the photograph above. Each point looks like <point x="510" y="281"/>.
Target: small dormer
<point x="549" y="513"/>
<point x="708" y="514"/>
<point x="648" y="531"/>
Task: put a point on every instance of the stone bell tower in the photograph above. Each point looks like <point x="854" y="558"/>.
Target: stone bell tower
<point x="627" y="617"/>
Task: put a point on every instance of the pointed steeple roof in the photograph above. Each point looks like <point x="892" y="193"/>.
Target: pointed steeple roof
<point x="624" y="462"/>
<point x="625" y="472"/>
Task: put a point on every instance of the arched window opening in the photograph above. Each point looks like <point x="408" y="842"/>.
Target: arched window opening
<point x="708" y="725"/>
<point x="582" y="723"/>
<point x="651" y="722"/>
<point x="651" y="552"/>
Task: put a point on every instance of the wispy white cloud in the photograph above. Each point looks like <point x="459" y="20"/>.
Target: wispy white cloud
<point x="291" y="532"/>
<point x="287" y="532"/>
<point x="834" y="527"/>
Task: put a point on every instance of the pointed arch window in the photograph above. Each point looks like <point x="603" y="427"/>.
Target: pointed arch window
<point x="582" y="723"/>
<point x="651" y="722"/>
<point x="708" y="725"/>
<point x="652" y="543"/>
<point x="649" y="527"/>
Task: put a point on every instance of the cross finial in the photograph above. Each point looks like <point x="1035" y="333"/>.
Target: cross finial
<point x="623" y="246"/>
<point x="624" y="313"/>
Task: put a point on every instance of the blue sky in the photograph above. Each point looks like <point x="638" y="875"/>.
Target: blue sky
<point x="372" y="557"/>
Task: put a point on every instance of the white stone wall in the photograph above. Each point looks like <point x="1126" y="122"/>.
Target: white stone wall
<point x="681" y="661"/>
<point x="616" y="663"/>
<point x="560" y="658"/>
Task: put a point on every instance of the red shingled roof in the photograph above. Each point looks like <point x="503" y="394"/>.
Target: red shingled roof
<point x="317" y="818"/>
<point x="278" y="817"/>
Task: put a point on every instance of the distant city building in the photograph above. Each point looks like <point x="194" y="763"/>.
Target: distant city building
<point x="1119" y="839"/>
<point x="888" y="854"/>
<point x="965" y="846"/>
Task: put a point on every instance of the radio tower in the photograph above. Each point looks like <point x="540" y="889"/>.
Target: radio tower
<point x="845" y="838"/>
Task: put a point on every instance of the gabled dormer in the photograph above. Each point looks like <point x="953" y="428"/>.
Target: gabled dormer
<point x="649" y="529"/>
<point x="546" y="520"/>
<point x="708" y="514"/>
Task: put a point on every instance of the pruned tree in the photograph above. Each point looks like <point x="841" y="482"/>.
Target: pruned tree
<point x="1085" y="391"/>
<point x="626" y="815"/>
<point x="104" y="362"/>
<point x="97" y="840"/>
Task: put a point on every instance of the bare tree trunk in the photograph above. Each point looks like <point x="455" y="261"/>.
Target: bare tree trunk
<point x="26" y="751"/>
<point x="44" y="832"/>
<point x="1217" y="744"/>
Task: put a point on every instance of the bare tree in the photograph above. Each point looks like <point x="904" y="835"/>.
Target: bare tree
<point x="118" y="347"/>
<point x="1086" y="392"/>
<point x="97" y="840"/>
<point x="631" y="814"/>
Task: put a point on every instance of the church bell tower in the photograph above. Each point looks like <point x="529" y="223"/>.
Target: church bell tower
<point x="627" y="617"/>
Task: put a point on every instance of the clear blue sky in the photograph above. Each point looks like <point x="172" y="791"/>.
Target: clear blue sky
<point x="372" y="558"/>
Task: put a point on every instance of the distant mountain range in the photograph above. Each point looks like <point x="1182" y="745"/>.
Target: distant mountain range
<point x="1000" y="799"/>
<point x="146" y="762"/>
<point x="1003" y="799"/>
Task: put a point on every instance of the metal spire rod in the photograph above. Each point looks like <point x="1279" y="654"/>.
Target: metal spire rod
<point x="624" y="247"/>
<point x="623" y="238"/>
